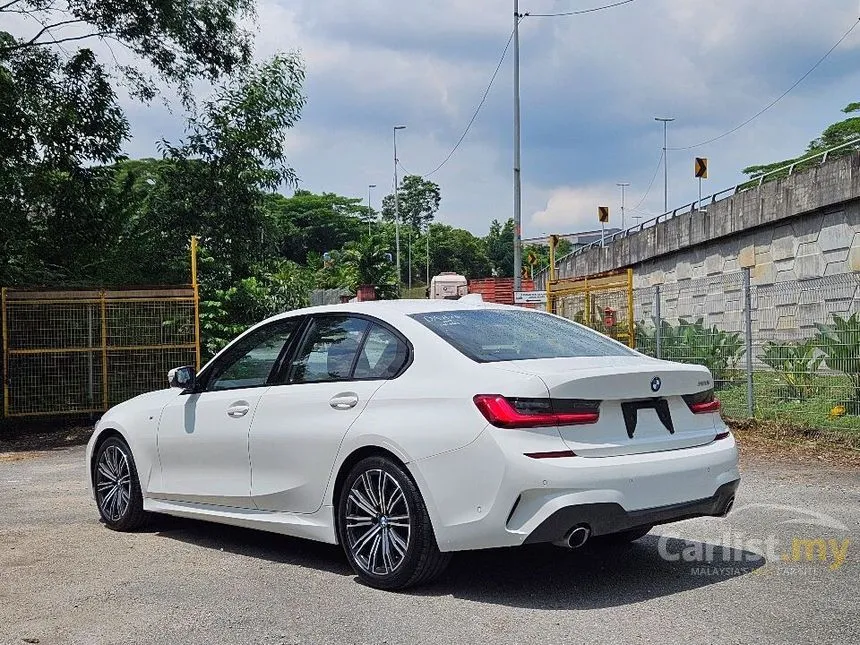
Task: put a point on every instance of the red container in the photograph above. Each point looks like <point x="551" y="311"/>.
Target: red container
<point x="366" y="292"/>
<point x="499" y="290"/>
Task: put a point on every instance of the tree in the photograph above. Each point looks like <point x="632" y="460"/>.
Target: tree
<point x="500" y="248"/>
<point x="371" y="262"/>
<point x="309" y="223"/>
<point x="837" y="134"/>
<point x="233" y="152"/>
<point x="418" y="202"/>
<point x="62" y="127"/>
<point x="457" y="250"/>
<point x="182" y="40"/>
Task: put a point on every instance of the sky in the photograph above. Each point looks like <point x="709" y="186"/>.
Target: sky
<point x="591" y="86"/>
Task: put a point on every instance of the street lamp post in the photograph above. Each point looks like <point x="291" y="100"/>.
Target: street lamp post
<point x="623" y="185"/>
<point x="369" y="210"/>
<point x="397" y="206"/>
<point x="517" y="178"/>
<point x="665" y="122"/>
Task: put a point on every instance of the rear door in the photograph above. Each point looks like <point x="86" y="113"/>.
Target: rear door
<point x="301" y="421"/>
<point x="642" y="404"/>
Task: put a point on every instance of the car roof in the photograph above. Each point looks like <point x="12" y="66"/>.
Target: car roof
<point x="388" y="309"/>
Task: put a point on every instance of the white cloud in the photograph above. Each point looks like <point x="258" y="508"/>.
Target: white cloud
<point x="591" y="86"/>
<point x="574" y="209"/>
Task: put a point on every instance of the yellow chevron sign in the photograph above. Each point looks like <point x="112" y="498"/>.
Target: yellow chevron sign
<point x="603" y="214"/>
<point x="701" y="167"/>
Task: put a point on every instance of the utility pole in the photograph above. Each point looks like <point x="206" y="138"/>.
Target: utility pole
<point x="666" y="123"/>
<point x="397" y="207"/>
<point x="369" y="210"/>
<point x="517" y="179"/>
<point x="623" y="185"/>
<point x="427" y="251"/>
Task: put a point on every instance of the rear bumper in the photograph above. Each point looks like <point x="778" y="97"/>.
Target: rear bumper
<point x="605" y="518"/>
<point x="490" y="494"/>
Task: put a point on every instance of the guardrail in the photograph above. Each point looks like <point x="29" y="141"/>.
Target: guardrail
<point x="696" y="206"/>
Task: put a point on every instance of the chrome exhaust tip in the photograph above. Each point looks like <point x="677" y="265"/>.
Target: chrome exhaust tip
<point x="577" y="537"/>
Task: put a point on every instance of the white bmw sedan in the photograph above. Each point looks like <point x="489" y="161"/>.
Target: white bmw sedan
<point x="407" y="430"/>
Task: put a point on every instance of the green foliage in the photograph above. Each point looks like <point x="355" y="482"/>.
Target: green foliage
<point x="796" y="364"/>
<point x="227" y="312"/>
<point x="309" y="223"/>
<point x="500" y="248"/>
<point x="418" y="202"/>
<point x="457" y="250"/>
<point x="834" y="135"/>
<point x="369" y="261"/>
<point x="692" y="342"/>
<point x="840" y="343"/>
<point x="182" y="40"/>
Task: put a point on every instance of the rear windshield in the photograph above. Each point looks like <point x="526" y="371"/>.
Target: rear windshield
<point x="488" y="335"/>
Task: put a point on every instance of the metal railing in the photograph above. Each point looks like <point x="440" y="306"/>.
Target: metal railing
<point x="696" y="206"/>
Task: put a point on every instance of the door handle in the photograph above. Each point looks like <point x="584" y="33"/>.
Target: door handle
<point x="238" y="410"/>
<point x="344" y="401"/>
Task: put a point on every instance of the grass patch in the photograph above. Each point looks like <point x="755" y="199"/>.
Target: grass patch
<point x="774" y="403"/>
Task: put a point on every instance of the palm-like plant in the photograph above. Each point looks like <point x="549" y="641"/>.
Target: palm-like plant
<point x="840" y="343"/>
<point x="370" y="262"/>
<point x="796" y="364"/>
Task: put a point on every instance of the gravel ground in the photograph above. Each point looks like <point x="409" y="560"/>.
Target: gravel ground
<point x="65" y="578"/>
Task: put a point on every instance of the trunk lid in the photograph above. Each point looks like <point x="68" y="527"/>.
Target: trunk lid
<point x="647" y="391"/>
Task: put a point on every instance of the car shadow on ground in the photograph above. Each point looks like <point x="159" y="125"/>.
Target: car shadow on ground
<point x="252" y="543"/>
<point x="536" y="577"/>
<point x="592" y="577"/>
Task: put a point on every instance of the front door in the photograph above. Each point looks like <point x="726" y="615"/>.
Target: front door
<point x="300" y="424"/>
<point x="203" y="435"/>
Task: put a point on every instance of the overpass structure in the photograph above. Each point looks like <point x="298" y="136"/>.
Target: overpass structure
<point x="798" y="235"/>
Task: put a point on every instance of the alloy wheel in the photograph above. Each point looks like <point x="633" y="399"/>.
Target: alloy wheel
<point x="378" y="522"/>
<point x="113" y="483"/>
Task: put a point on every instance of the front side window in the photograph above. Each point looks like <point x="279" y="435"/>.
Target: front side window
<point x="329" y="350"/>
<point x="489" y="335"/>
<point x="250" y="362"/>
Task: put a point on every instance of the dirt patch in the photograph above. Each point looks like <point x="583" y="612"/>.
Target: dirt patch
<point x="24" y="438"/>
<point x="785" y="442"/>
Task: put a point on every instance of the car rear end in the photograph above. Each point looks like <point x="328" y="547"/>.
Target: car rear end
<point x="618" y="441"/>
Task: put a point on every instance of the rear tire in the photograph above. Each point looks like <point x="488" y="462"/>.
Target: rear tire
<point x="117" y="487"/>
<point x="384" y="527"/>
<point x="622" y="537"/>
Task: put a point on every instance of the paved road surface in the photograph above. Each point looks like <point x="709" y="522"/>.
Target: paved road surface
<point x="65" y="579"/>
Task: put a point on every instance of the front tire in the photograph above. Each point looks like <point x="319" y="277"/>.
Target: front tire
<point x="385" y="529"/>
<point x="115" y="481"/>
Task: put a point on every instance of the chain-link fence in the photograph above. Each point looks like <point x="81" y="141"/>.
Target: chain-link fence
<point x="788" y="351"/>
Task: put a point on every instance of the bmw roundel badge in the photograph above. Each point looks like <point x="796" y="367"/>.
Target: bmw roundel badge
<point x="656" y="383"/>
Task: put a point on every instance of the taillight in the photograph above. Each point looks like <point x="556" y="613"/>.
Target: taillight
<point x="702" y="402"/>
<point x="503" y="412"/>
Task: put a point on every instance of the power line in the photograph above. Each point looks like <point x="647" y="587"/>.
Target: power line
<point x="651" y="184"/>
<point x="477" y="109"/>
<point x="580" y="11"/>
<point x="778" y="99"/>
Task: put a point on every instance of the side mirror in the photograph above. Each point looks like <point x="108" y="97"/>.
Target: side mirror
<point x="182" y="377"/>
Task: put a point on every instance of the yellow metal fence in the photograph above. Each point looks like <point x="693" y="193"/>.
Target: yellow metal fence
<point x="604" y="303"/>
<point x="72" y="352"/>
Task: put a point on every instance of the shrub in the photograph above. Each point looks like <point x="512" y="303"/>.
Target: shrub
<point x="796" y="364"/>
<point x="840" y="343"/>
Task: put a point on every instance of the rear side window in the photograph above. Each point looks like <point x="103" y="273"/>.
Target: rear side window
<point x="329" y="350"/>
<point x="489" y="335"/>
<point x="382" y="356"/>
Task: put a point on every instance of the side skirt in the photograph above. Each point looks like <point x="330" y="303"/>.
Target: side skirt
<point x="318" y="526"/>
